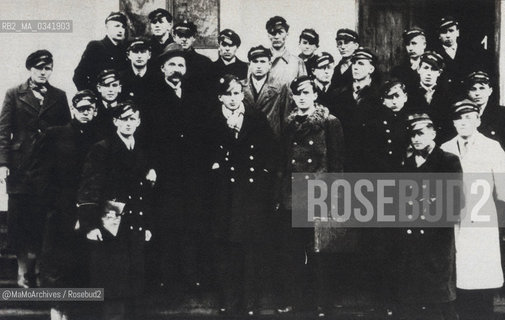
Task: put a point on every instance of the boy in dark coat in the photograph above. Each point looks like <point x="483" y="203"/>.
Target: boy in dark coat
<point x="56" y="169"/>
<point x="114" y="213"/>
<point x="27" y="111"/>
<point x="228" y="63"/>
<point x="312" y="143"/>
<point x="425" y="258"/>
<point x="243" y="169"/>
<point x="108" y="53"/>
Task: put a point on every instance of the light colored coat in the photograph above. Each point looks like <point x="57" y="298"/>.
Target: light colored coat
<point x="478" y="260"/>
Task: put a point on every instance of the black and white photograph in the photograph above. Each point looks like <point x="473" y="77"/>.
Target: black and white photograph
<point x="252" y="159"/>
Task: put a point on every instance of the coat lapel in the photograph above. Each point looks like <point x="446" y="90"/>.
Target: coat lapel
<point x="267" y="92"/>
<point x="50" y="100"/>
<point x="26" y="95"/>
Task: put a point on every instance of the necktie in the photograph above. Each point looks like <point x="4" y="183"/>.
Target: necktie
<point x="178" y="92"/>
<point x="463" y="148"/>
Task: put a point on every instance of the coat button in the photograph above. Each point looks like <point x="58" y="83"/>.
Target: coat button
<point x="140" y="198"/>
<point x="311" y="142"/>
<point x="226" y="159"/>
<point x="388" y="131"/>
<point x="130" y="212"/>
<point x="252" y="146"/>
<point x="232" y="180"/>
<point x="390" y="152"/>
<point x="421" y="231"/>
<point x="294" y="143"/>
<point x="251" y="169"/>
<point x="140" y="213"/>
<point x="112" y="58"/>
<point x="251" y="157"/>
<point x="293" y="161"/>
<point x="140" y="228"/>
<point x="251" y="180"/>
<point x="141" y="183"/>
<point x="232" y="168"/>
<point x="409" y="231"/>
<point x="130" y="197"/>
<point x="385" y="122"/>
<point x="182" y="135"/>
<point x="493" y="133"/>
<point x="221" y="147"/>
<point x="389" y="140"/>
<point x="131" y="227"/>
<point x="309" y="160"/>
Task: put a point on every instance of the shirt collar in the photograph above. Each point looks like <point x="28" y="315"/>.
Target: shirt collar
<point x="108" y="105"/>
<point x="284" y="55"/>
<point x="238" y="112"/>
<point x="428" y="89"/>
<point x="453" y="48"/>
<point x="469" y="141"/>
<point x="129" y="142"/>
<point x="258" y="84"/>
<point x="322" y="86"/>
<point x="227" y="63"/>
<point x="140" y="73"/>
<point x="173" y="86"/>
<point x="362" y="84"/>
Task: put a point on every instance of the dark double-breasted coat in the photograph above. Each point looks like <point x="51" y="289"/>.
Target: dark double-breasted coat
<point x="386" y="140"/>
<point x="273" y="100"/>
<point x="99" y="55"/>
<point x="425" y="256"/>
<point x="136" y="88"/>
<point x="315" y="145"/>
<point x="111" y="172"/>
<point x="22" y="120"/>
<point x="237" y="68"/>
<point x="243" y="172"/>
<point x="56" y="171"/>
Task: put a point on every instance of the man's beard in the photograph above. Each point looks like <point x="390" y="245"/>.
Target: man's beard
<point x="176" y="77"/>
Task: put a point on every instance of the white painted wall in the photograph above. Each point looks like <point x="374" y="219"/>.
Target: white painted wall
<point x="88" y="24"/>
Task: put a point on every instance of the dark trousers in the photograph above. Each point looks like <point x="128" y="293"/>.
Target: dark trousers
<point x="294" y="269"/>
<point x="475" y="304"/>
<point x="242" y="272"/>
<point x="185" y="257"/>
<point x="26" y="220"/>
